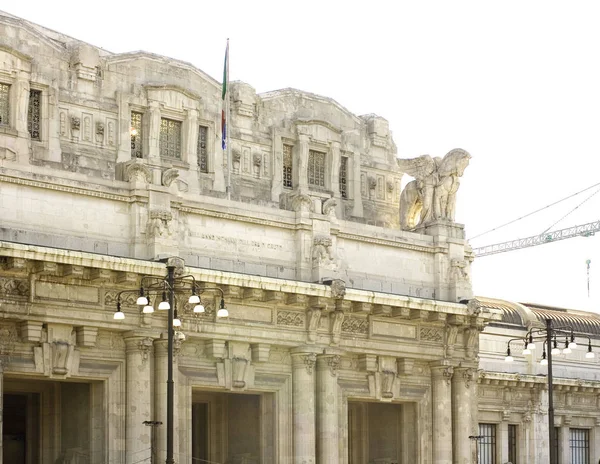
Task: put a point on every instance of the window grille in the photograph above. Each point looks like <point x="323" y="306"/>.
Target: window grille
<point x="136" y="135"/>
<point x="4" y="103"/>
<point x="344" y="177"/>
<point x="34" y="114"/>
<point x="202" y="151"/>
<point x="487" y="444"/>
<point x="287" y="166"/>
<point x="579" y="442"/>
<point x="170" y="138"/>
<point x="512" y="443"/>
<point x="316" y="169"/>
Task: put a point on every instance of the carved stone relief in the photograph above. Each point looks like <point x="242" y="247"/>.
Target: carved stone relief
<point x="160" y="223"/>
<point x="291" y="318"/>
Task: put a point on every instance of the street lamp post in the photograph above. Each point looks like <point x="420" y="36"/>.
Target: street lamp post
<point x="548" y="336"/>
<point x="168" y="286"/>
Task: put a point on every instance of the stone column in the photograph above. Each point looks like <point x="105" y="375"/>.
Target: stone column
<point x="327" y="406"/>
<point x="463" y="408"/>
<point x="160" y="399"/>
<point x="441" y="377"/>
<point x="139" y="400"/>
<point x="303" y="391"/>
<point x="564" y="447"/>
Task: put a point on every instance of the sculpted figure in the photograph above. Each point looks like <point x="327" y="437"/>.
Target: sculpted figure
<point x="432" y="195"/>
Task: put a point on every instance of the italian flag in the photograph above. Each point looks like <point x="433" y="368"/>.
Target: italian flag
<point x="223" y="97"/>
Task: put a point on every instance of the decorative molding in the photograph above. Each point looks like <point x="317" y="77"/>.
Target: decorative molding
<point x="169" y="175"/>
<point x="291" y="318"/>
<point x="355" y="326"/>
<point x="314" y="319"/>
<point x="309" y="361"/>
<point x="337" y="318"/>
<point x="14" y="287"/>
<point x="392" y="243"/>
<point x="431" y="334"/>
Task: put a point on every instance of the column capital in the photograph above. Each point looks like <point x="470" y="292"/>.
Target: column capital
<point x="329" y="361"/>
<point x="442" y="372"/>
<point x="465" y="374"/>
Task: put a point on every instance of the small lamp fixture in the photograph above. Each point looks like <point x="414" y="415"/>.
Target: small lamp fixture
<point x="142" y="300"/>
<point x="199" y="308"/>
<point x="526" y="350"/>
<point x="590" y="353"/>
<point x="508" y="357"/>
<point x="194" y="299"/>
<point x="567" y="350"/>
<point x="222" y="312"/>
<point x="176" y="320"/>
<point x="544" y="361"/>
<point x="119" y="315"/>
<point x="531" y="345"/>
<point x="148" y="309"/>
<point x="572" y="344"/>
<point x="555" y="349"/>
<point x="164" y="304"/>
<point x="133" y="131"/>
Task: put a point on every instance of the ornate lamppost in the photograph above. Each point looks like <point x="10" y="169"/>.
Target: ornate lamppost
<point x="550" y="337"/>
<point x="166" y="288"/>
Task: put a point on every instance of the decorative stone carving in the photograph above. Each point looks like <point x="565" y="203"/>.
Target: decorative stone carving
<point x="63" y="123"/>
<point x="236" y="156"/>
<point x="468" y="376"/>
<point x="314" y="319"/>
<point x="322" y="250"/>
<point x="460" y="270"/>
<point x="432" y="195"/>
<point x="111" y="133"/>
<point x="75" y="123"/>
<point x="8" y="340"/>
<point x="354" y="325"/>
<point x="372" y="181"/>
<point x="14" y="287"/>
<point x="159" y="223"/>
<point x="309" y="361"/>
<point x="329" y="207"/>
<point x="87" y="128"/>
<point x="257" y="159"/>
<point x="99" y="132"/>
<point x="138" y="172"/>
<point x="432" y="334"/>
<point x="169" y="175"/>
<point x="301" y="202"/>
<point x="337" y="318"/>
<point x="334" y="363"/>
<point x="145" y="345"/>
<point x="390" y="186"/>
<point x="291" y="318"/>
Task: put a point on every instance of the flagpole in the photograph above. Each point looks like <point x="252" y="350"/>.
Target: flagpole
<point x="228" y="129"/>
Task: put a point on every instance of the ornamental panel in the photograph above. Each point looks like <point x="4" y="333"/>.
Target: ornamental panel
<point x="34" y="114"/>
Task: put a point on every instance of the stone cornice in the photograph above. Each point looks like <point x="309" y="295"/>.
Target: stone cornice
<point x="392" y="243"/>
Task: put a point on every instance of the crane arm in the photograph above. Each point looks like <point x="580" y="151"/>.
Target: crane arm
<point x="584" y="230"/>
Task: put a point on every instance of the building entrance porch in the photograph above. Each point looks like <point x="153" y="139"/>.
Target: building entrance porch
<point x="51" y="422"/>
<point x="382" y="433"/>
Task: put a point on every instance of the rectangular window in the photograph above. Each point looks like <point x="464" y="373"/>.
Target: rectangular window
<point x="287" y="166"/>
<point x="316" y="169"/>
<point x="579" y="442"/>
<point x="136" y="135"/>
<point x="34" y="114"/>
<point x="487" y="444"/>
<point x="4" y="103"/>
<point x="170" y="138"/>
<point x="344" y="177"/>
<point x="512" y="443"/>
<point x="201" y="150"/>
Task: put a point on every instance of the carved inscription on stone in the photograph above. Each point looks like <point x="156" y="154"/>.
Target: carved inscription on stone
<point x="291" y="318"/>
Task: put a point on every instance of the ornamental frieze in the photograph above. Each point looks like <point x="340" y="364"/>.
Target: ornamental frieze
<point x="14" y="287"/>
<point x="431" y="334"/>
<point x="291" y="318"/>
<point x="355" y="326"/>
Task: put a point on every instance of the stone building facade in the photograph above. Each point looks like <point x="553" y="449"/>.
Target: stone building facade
<point x="348" y="339"/>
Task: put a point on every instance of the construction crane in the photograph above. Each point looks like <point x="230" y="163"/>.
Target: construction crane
<point x="584" y="230"/>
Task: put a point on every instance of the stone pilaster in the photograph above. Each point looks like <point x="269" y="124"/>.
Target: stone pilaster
<point x="441" y="381"/>
<point x="154" y="130"/>
<point x="302" y="159"/>
<point x="303" y="391"/>
<point x="464" y="407"/>
<point x="139" y="400"/>
<point x="327" y="406"/>
<point x="160" y="399"/>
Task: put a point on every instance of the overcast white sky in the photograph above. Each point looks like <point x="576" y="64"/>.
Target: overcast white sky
<point x="516" y="83"/>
